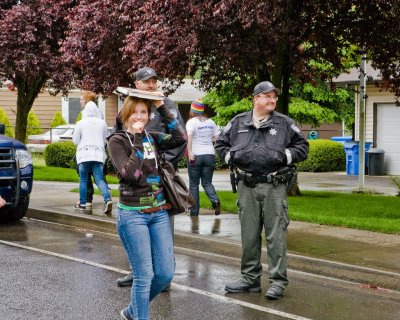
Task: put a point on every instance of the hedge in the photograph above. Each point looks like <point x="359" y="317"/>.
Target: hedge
<point x="60" y="154"/>
<point x="324" y="155"/>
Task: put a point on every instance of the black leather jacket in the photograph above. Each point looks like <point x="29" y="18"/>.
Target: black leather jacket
<point x="157" y="123"/>
<point x="263" y="150"/>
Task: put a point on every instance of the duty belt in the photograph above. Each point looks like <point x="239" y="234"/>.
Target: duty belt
<point x="287" y="175"/>
<point x="251" y="180"/>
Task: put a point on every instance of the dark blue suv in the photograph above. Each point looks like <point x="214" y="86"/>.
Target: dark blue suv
<point x="16" y="177"/>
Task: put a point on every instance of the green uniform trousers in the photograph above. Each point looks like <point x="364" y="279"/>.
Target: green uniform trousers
<point x="266" y="206"/>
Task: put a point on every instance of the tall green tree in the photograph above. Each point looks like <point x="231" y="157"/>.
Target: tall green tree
<point x="30" y="37"/>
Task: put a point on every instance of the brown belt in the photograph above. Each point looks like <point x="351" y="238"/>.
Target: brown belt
<point x="166" y="206"/>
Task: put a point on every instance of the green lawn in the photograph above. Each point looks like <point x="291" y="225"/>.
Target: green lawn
<point x="41" y="172"/>
<point x="359" y="211"/>
<point x="45" y="173"/>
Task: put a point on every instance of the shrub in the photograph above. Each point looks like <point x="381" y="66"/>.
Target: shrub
<point x="60" y="154"/>
<point x="219" y="163"/>
<point x="79" y="117"/>
<point x="4" y="119"/>
<point x="58" y="120"/>
<point x="324" y="155"/>
<point x="33" y="125"/>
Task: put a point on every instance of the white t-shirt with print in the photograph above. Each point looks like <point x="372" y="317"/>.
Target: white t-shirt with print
<point x="203" y="133"/>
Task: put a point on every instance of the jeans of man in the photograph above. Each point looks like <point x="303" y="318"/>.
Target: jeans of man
<point x="202" y="169"/>
<point x="147" y="240"/>
<point x="97" y="169"/>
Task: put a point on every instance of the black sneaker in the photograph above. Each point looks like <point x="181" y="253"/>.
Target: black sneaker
<point x="125" y="281"/>
<point x="274" y="292"/>
<point x="125" y="314"/>
<point x="79" y="207"/>
<point x="107" y="206"/>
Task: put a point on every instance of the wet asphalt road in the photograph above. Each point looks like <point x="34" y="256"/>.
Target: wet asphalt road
<point x="50" y="271"/>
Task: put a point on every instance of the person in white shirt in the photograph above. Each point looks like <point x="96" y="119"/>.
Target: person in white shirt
<point x="202" y="132"/>
<point x="90" y="137"/>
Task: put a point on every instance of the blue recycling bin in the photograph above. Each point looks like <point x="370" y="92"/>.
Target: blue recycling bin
<point x="352" y="151"/>
<point x="341" y="139"/>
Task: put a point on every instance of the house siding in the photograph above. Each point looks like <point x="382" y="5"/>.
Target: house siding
<point x="46" y="105"/>
<point x="111" y="109"/>
<point x="374" y="95"/>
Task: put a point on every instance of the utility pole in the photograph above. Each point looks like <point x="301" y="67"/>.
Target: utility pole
<point x="361" y="123"/>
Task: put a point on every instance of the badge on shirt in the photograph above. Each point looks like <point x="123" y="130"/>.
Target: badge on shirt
<point x="273" y="132"/>
<point x="148" y="151"/>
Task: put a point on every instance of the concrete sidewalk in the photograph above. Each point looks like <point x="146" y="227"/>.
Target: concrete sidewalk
<point x="369" y="258"/>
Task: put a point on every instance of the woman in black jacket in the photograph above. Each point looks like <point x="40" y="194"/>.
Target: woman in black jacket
<point x="142" y="221"/>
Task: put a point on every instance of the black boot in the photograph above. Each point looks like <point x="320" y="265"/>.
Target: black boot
<point x="217" y="208"/>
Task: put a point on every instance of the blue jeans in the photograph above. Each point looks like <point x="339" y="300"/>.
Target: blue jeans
<point x="202" y="169"/>
<point x="97" y="169"/>
<point x="147" y="239"/>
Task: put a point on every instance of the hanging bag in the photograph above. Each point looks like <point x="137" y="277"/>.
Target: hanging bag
<point x="175" y="190"/>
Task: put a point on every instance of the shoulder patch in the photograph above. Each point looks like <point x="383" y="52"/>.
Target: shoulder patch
<point x="295" y="128"/>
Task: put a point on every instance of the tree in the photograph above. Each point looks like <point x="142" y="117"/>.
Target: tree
<point x="30" y="51"/>
<point x="230" y="41"/>
<point x="94" y="43"/>
<point x="374" y="28"/>
<point x="58" y="120"/>
<point x="309" y="104"/>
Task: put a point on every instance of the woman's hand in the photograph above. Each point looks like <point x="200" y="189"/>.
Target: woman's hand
<point x="137" y="127"/>
<point x="191" y="157"/>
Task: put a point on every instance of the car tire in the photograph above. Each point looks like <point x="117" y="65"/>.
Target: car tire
<point x="15" y="213"/>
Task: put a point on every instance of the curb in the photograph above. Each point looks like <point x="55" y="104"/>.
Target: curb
<point x="230" y="252"/>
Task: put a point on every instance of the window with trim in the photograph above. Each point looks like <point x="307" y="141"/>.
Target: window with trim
<point x="74" y="108"/>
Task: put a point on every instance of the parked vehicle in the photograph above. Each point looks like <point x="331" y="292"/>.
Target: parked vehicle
<point x="16" y="177"/>
<point x="39" y="142"/>
<point x="69" y="137"/>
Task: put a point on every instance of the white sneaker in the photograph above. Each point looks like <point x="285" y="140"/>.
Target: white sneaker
<point x="107" y="207"/>
<point x="89" y="205"/>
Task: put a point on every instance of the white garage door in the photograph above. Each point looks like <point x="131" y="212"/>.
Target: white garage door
<point x="388" y="136"/>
